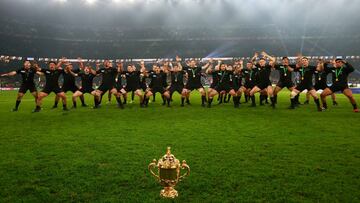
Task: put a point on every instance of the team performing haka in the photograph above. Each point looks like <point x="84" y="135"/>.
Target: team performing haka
<point x="166" y="78"/>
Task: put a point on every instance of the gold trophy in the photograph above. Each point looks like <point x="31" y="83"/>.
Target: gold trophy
<point x="169" y="173"/>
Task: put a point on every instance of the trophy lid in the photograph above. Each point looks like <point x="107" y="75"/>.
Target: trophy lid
<point x="168" y="160"/>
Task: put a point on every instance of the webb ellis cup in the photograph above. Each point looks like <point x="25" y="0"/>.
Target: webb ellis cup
<point x="168" y="173"/>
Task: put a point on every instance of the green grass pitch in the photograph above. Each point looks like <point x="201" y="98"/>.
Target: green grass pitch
<point x="235" y="155"/>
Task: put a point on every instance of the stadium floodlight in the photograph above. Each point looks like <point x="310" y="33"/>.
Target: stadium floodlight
<point x="62" y="1"/>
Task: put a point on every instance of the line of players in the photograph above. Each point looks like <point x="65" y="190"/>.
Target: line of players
<point x="232" y="79"/>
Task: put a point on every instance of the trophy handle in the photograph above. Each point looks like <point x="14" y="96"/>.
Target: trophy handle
<point x="184" y="166"/>
<point x="151" y="166"/>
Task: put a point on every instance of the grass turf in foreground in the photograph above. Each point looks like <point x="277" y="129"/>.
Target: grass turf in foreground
<point x="246" y="154"/>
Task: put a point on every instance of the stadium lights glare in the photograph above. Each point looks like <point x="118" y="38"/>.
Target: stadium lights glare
<point x="62" y="1"/>
<point x="90" y="2"/>
<point x="123" y="2"/>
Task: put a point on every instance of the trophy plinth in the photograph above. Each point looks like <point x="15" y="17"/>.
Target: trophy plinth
<point x="168" y="192"/>
<point x="168" y="173"/>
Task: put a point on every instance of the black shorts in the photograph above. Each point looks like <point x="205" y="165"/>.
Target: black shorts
<point x="320" y="87"/>
<point x="192" y="87"/>
<point x="221" y="88"/>
<point x="86" y="90"/>
<point x="249" y="85"/>
<point x="48" y="90"/>
<point x="143" y="87"/>
<point x="287" y="84"/>
<point x="119" y="87"/>
<point x="338" y="87"/>
<point x="236" y="88"/>
<point x="302" y="87"/>
<point x="235" y="85"/>
<point x="213" y="85"/>
<point x="25" y="87"/>
<point x="154" y="90"/>
<point x="73" y="89"/>
<point x="132" y="88"/>
<point x="176" y="88"/>
<point x="263" y="85"/>
<point x="105" y="88"/>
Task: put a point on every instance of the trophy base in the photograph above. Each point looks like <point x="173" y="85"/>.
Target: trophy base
<point x="168" y="192"/>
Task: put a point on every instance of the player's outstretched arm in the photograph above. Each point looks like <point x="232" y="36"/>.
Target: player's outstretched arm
<point x="60" y="63"/>
<point x="81" y="64"/>
<point x="268" y="56"/>
<point x="253" y="59"/>
<point x="178" y="61"/>
<point x="12" y="73"/>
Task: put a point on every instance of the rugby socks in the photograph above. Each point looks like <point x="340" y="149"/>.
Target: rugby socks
<point x="209" y="102"/>
<point x="220" y="98"/>
<point x="236" y="101"/>
<point x="168" y="101"/>
<point x="99" y="102"/>
<point x="37" y="108"/>
<point x="253" y="100"/>
<point x="146" y="101"/>
<point x="96" y="103"/>
<point x="74" y="104"/>
<point x="297" y="99"/>
<point x="275" y="99"/>
<point x="317" y="102"/>
<point x="203" y="99"/>
<point x="82" y="100"/>
<point x="109" y="96"/>
<point x="261" y="97"/>
<point x="325" y="105"/>
<point x="55" y="104"/>
<point x="120" y="104"/>
<point x="354" y="105"/>
<point x="118" y="99"/>
<point x="164" y="99"/>
<point x="17" y="104"/>
<point x="272" y="99"/>
<point x="132" y="96"/>
<point x="228" y="98"/>
<point x="292" y="104"/>
<point x="182" y="101"/>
